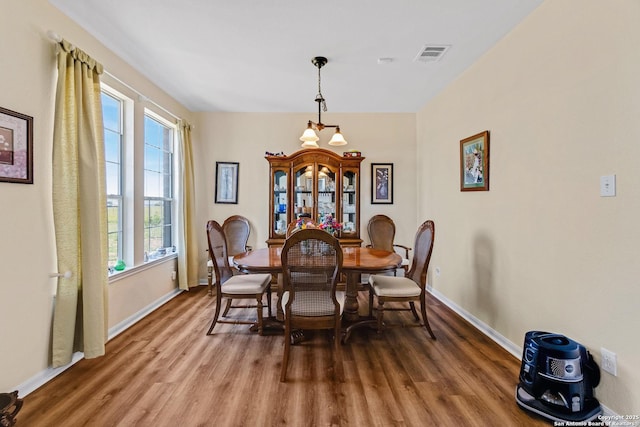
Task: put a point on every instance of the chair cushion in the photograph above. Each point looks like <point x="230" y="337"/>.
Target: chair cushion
<point x="246" y="284"/>
<point x="388" y="286"/>
<point x="313" y="303"/>
<point x="405" y="261"/>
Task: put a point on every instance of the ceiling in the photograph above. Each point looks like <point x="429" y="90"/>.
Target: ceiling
<point x="255" y="55"/>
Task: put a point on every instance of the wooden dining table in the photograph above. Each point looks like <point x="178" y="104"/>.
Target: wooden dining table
<point x="355" y="261"/>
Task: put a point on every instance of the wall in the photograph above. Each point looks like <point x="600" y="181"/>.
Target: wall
<point x="542" y="250"/>
<point x="27" y="248"/>
<point x="244" y="138"/>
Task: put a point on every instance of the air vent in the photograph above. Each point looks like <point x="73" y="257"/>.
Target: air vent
<point x="431" y="53"/>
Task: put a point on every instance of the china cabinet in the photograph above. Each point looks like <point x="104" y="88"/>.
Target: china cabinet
<point x="314" y="183"/>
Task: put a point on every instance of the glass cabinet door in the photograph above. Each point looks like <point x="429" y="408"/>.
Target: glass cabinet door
<point x="303" y="191"/>
<point x="326" y="192"/>
<point x="350" y="202"/>
<point x="280" y="198"/>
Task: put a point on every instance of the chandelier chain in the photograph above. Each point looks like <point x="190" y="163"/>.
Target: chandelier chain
<point x="319" y="97"/>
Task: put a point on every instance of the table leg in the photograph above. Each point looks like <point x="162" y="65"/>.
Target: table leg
<point x="351" y="301"/>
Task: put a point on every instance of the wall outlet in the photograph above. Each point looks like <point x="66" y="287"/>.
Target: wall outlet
<point x="608" y="186"/>
<point x="609" y="361"/>
<point x="173" y="275"/>
<point x="437" y="271"/>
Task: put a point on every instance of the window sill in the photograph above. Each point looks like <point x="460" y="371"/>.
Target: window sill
<point x="119" y="275"/>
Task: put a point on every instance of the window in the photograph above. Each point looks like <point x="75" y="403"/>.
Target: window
<point x="139" y="182"/>
<point x="158" y="185"/>
<point x="112" y="111"/>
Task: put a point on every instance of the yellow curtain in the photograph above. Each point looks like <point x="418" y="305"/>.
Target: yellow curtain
<point x="187" y="238"/>
<point x="79" y="208"/>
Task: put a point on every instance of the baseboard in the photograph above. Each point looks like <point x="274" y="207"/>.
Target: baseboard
<point x="499" y="339"/>
<point x="136" y="317"/>
<point x="45" y="376"/>
<point x="503" y="342"/>
<point x="48" y="374"/>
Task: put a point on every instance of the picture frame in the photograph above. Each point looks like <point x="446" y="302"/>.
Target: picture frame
<point x="16" y="147"/>
<point x="227" y="182"/>
<point x="474" y="162"/>
<point x="382" y="183"/>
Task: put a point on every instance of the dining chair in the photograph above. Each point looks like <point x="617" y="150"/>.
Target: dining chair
<point x="382" y="231"/>
<point x="239" y="286"/>
<point x="236" y="231"/>
<point x="410" y="288"/>
<point x="311" y="264"/>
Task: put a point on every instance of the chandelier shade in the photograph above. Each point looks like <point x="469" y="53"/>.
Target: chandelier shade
<point x="337" y="139"/>
<point x="309" y="137"/>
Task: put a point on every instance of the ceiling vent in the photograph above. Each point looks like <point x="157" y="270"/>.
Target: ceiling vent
<point x="431" y="53"/>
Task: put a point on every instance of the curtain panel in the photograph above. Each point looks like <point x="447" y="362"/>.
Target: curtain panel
<point x="187" y="237"/>
<point x="79" y="208"/>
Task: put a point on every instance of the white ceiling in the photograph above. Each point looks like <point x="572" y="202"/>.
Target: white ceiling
<point x="255" y="55"/>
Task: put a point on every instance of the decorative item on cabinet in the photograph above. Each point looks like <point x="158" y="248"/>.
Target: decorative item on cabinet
<point x="316" y="183"/>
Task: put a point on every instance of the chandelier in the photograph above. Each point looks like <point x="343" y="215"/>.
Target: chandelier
<point x="309" y="138"/>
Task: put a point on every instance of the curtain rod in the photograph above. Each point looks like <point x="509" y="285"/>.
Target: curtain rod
<point x="141" y="97"/>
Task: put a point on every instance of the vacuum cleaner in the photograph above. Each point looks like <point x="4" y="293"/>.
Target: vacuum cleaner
<point x="557" y="378"/>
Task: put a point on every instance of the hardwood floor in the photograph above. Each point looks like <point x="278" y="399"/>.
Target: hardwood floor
<point x="165" y="371"/>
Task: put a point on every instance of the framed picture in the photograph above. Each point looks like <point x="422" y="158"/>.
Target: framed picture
<point x="16" y="147"/>
<point x="474" y="162"/>
<point x="227" y="182"/>
<point x="382" y="183"/>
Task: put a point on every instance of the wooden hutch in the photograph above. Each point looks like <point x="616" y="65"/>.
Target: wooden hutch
<point x="316" y="182"/>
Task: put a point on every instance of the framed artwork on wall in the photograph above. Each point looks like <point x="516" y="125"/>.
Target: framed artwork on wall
<point x="382" y="183"/>
<point x="474" y="162"/>
<point x="16" y="147"/>
<point x="227" y="182"/>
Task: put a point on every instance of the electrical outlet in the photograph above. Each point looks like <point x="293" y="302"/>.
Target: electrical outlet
<point x="437" y="271"/>
<point x="173" y="275"/>
<point x="609" y="361"/>
<point x="608" y="186"/>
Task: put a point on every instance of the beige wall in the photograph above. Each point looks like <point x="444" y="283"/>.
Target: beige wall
<point x="27" y="249"/>
<point x="244" y="138"/>
<point x="542" y="250"/>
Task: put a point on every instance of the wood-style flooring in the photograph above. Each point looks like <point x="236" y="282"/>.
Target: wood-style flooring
<point x="165" y="371"/>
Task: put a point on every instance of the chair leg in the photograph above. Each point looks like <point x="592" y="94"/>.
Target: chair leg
<point x="210" y="281"/>
<point x="260" y="307"/>
<point x="413" y="310"/>
<point x="269" y="301"/>
<point x="380" y="314"/>
<point x="217" y="312"/>
<point x="423" y="309"/>
<point x="370" y="302"/>
<point x="227" y="307"/>
<point x="285" y="356"/>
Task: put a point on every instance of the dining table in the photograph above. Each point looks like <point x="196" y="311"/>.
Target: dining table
<point x="355" y="261"/>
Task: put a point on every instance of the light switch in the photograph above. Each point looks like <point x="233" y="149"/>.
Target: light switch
<point x="608" y="186"/>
